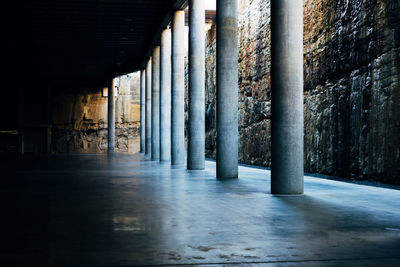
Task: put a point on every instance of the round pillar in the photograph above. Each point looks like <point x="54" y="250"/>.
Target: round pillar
<point x="148" y="110"/>
<point x="227" y="89"/>
<point x="287" y="96"/>
<point x="178" y="153"/>
<point x="111" y="117"/>
<point x="142" y="110"/>
<point x="165" y="96"/>
<point x="196" y="127"/>
<point x="155" y="104"/>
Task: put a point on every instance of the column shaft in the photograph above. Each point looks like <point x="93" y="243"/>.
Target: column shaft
<point x="165" y="96"/>
<point x="155" y="104"/>
<point x="196" y="127"/>
<point x="148" y="110"/>
<point x="227" y="89"/>
<point x="287" y="96"/>
<point x="142" y="110"/>
<point x="111" y="117"/>
<point x="178" y="153"/>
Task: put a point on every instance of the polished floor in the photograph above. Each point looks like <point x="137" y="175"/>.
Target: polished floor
<point x="119" y="210"/>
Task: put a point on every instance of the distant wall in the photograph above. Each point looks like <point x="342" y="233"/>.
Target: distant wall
<point x="80" y="119"/>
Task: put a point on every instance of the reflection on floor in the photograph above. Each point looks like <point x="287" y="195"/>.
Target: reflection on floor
<point x="119" y="210"/>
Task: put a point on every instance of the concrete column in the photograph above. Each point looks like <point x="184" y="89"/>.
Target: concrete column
<point x="142" y="110"/>
<point x="148" y="110"/>
<point x="196" y="127"/>
<point x="227" y="89"/>
<point x="111" y="117"/>
<point x="287" y="96"/>
<point x="165" y="96"/>
<point x="178" y="153"/>
<point x="155" y="104"/>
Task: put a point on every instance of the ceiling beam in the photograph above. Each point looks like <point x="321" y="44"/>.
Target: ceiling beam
<point x="179" y="5"/>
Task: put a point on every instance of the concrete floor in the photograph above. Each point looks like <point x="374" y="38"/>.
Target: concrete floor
<point x="95" y="210"/>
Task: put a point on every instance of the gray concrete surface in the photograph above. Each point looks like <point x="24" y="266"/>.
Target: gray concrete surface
<point x="227" y="89"/>
<point x="111" y="117"/>
<point x="165" y="95"/>
<point x="148" y="110"/>
<point x="120" y="210"/>
<point x="155" y="104"/>
<point x="196" y="123"/>
<point x="142" y="110"/>
<point x="287" y="96"/>
<point x="178" y="151"/>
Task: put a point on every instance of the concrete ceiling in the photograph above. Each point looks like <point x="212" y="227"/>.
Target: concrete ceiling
<point x="79" y="42"/>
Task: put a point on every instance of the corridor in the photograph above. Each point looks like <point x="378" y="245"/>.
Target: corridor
<point x="120" y="210"/>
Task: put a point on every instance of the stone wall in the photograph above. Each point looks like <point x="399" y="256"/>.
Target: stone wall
<point x="80" y="119"/>
<point x="351" y="87"/>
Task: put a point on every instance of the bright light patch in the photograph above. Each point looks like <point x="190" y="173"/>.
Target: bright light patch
<point x="211" y="4"/>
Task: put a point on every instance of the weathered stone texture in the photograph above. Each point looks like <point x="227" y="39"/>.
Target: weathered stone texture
<point x="351" y="87"/>
<point x="80" y="120"/>
<point x="210" y="94"/>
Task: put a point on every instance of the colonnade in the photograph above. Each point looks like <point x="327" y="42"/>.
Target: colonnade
<point x="162" y="94"/>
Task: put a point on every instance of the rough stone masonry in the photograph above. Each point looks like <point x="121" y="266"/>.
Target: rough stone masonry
<point x="80" y="119"/>
<point x="351" y="93"/>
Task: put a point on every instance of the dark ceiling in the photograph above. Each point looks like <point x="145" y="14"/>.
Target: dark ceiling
<point x="79" y="43"/>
